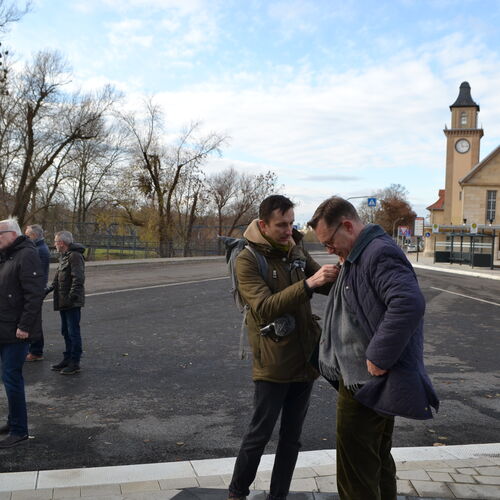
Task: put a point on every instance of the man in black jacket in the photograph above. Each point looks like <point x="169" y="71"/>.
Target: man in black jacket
<point x="21" y="297"/>
<point x="69" y="298"/>
<point x="35" y="234"/>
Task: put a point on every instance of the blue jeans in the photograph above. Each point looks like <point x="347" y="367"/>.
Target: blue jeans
<point x="271" y="399"/>
<point x="13" y="356"/>
<point x="70" y="330"/>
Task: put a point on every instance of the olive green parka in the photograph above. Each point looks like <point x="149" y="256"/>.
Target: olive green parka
<point x="284" y="291"/>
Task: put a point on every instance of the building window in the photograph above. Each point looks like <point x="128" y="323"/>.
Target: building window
<point x="463" y="118"/>
<point x="491" y="205"/>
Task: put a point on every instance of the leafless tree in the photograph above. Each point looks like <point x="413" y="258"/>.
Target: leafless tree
<point x="45" y="124"/>
<point x="159" y="167"/>
<point x="236" y="196"/>
<point x="11" y="13"/>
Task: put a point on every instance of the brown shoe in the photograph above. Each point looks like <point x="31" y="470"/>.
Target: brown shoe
<point x="33" y="357"/>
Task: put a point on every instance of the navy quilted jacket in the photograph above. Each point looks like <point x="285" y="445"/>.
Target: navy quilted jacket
<point x="382" y="289"/>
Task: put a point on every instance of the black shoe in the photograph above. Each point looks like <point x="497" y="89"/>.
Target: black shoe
<point x="71" y="369"/>
<point x="63" y="364"/>
<point x="12" y="440"/>
<point x="4" y="429"/>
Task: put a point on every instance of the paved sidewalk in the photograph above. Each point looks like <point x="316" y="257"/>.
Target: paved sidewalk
<point x="468" y="472"/>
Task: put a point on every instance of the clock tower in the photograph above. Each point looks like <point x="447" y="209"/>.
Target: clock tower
<point x="462" y="151"/>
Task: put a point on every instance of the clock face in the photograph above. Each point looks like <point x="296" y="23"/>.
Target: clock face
<point x="462" y="145"/>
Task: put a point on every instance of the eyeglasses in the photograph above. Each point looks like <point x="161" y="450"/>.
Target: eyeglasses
<point x="329" y="243"/>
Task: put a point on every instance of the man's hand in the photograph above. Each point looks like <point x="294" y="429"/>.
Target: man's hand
<point x="374" y="370"/>
<point x="326" y="274"/>
<point x="21" y="334"/>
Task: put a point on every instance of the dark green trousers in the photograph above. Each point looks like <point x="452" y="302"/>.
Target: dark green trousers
<point x="365" y="467"/>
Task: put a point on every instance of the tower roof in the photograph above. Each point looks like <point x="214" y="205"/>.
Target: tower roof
<point x="464" y="99"/>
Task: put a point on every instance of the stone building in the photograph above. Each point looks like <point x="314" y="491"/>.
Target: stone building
<point x="465" y="213"/>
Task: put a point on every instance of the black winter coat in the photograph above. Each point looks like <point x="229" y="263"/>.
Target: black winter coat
<point x="21" y="291"/>
<point x="68" y="283"/>
<point x="44" y="254"/>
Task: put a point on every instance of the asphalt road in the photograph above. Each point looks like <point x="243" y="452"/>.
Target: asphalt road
<point x="161" y="379"/>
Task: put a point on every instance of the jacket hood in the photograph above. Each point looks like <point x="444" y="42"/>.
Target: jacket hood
<point x="368" y="234"/>
<point x="253" y="235"/>
<point x="76" y="247"/>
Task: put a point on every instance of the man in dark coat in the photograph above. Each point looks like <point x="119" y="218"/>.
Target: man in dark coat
<point x="21" y="296"/>
<point x="371" y="347"/>
<point x="69" y="298"/>
<point x="35" y="234"/>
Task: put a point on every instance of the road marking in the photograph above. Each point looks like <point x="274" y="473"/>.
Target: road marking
<point x="466" y="296"/>
<point x="164" y="285"/>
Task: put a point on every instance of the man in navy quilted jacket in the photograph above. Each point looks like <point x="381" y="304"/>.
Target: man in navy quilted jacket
<point x="371" y="348"/>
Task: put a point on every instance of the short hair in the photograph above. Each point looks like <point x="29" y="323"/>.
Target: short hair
<point x="12" y="225"/>
<point x="332" y="210"/>
<point x="273" y="202"/>
<point x="64" y="236"/>
<point x="37" y="229"/>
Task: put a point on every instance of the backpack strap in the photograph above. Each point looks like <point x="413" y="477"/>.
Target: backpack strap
<point x="263" y="268"/>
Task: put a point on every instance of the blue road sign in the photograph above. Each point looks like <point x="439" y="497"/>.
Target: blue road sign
<point x="427" y="235"/>
<point x="372" y="202"/>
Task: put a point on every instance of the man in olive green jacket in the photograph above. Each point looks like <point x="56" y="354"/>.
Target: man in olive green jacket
<point x="281" y="371"/>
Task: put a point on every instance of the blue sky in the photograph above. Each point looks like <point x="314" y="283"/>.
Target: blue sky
<point x="336" y="97"/>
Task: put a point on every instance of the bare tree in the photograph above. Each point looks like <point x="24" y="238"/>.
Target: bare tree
<point x="159" y="167"/>
<point x="11" y="13"/>
<point x="47" y="123"/>
<point x="236" y="196"/>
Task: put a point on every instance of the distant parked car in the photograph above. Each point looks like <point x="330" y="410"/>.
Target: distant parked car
<point x="412" y="247"/>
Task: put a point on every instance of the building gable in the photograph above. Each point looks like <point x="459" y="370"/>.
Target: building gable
<point x="485" y="173"/>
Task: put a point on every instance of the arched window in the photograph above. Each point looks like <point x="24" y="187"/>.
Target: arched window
<point x="463" y="118"/>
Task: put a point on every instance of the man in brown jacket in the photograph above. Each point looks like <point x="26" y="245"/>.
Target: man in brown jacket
<point x="281" y="371"/>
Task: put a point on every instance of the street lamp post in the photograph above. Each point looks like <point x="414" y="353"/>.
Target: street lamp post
<point x="394" y="224"/>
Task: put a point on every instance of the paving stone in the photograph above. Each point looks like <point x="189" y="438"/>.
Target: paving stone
<point x="466" y="470"/>
<point x="43" y="494"/>
<point x="476" y="491"/>
<point x="257" y="495"/>
<point x="139" y="487"/>
<point x="417" y="474"/>
<point x="324" y="470"/>
<point x="201" y="494"/>
<point x="100" y="490"/>
<point x="226" y="478"/>
<point x="178" y="484"/>
<point x="489" y="471"/>
<point x="463" y="478"/>
<point x="152" y="495"/>
<point x="308" y="484"/>
<point x="487" y="479"/>
<point x="469" y="462"/>
<point x="327" y="484"/>
<point x="440" y="476"/>
<point x="300" y="496"/>
<point x="4" y="495"/>
<point x="404" y="487"/>
<point x="432" y="489"/>
<point x="70" y="492"/>
<point x="303" y="472"/>
<point x="211" y="482"/>
<point x="325" y="496"/>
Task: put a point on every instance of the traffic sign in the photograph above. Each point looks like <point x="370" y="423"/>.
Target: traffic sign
<point x="372" y="202"/>
<point x="435" y="228"/>
<point x="427" y="234"/>
<point x="473" y="228"/>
